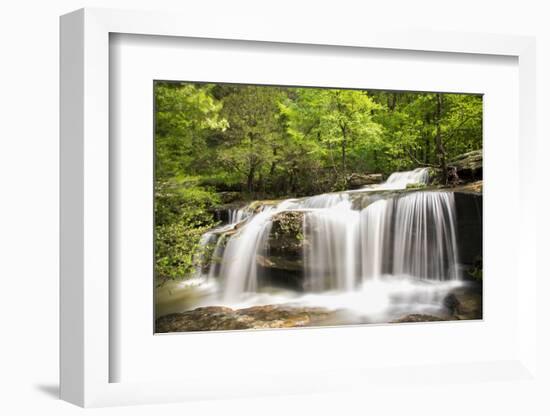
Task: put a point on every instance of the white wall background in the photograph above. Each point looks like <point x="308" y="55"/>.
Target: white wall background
<point x="29" y="206"/>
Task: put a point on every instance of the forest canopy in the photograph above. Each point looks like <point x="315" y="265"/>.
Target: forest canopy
<point x="299" y="141"/>
<point x="274" y="142"/>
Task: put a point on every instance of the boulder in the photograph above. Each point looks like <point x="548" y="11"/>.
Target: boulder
<point x="282" y="263"/>
<point x="465" y="302"/>
<point x="469" y="188"/>
<point x="219" y="318"/>
<point x="358" y="180"/>
<point x="286" y="237"/>
<point x="418" y="317"/>
<point x="290" y="264"/>
<point x="261" y="204"/>
<point x="469" y="166"/>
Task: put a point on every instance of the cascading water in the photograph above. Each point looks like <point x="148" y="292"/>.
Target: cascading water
<point x="375" y="222"/>
<point x="322" y="201"/>
<point x="347" y="247"/>
<point x="425" y="236"/>
<point x="238" y="215"/>
<point x="238" y="268"/>
<point x="199" y="260"/>
<point x="408" y="236"/>
<point x="400" y="180"/>
<point x="330" y="257"/>
<point x="213" y="241"/>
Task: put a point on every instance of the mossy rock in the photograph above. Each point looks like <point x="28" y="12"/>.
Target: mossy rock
<point x="469" y="188"/>
<point x="216" y="318"/>
<point x="359" y="180"/>
<point x="465" y="303"/>
<point x="418" y="317"/>
<point x="469" y="166"/>
<point x="257" y="206"/>
<point x="416" y="186"/>
<point x="286" y="237"/>
<point x="289" y="263"/>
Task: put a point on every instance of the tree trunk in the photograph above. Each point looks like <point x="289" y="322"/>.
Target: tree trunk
<point x="392" y="101"/>
<point x="251" y="165"/>
<point x="292" y="181"/>
<point x="344" y="145"/>
<point x="273" y="163"/>
<point x="250" y="179"/>
<point x="440" y="148"/>
<point x="426" y="149"/>
<point x="261" y="183"/>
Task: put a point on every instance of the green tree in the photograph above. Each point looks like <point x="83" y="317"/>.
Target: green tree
<point x="185" y="115"/>
<point x="428" y="129"/>
<point x="253" y="136"/>
<point x="181" y="217"/>
<point x="340" y="122"/>
<point x="219" y="141"/>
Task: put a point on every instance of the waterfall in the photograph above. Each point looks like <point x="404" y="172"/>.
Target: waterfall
<point x="237" y="215"/>
<point x="400" y="180"/>
<point x="408" y="235"/>
<point x="323" y="201"/>
<point x="216" y="255"/>
<point x="239" y="268"/>
<point x="330" y="259"/>
<point x="425" y="236"/>
<point x="375" y="228"/>
<point x="207" y="239"/>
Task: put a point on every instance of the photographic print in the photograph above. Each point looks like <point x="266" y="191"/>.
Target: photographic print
<point x="292" y="207"/>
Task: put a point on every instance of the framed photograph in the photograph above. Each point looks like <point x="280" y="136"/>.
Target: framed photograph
<point x="321" y="202"/>
<point x="292" y="207"/>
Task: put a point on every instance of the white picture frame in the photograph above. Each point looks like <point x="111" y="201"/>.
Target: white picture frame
<point x="85" y="211"/>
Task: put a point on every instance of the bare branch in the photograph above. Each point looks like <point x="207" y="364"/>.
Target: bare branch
<point x="418" y="162"/>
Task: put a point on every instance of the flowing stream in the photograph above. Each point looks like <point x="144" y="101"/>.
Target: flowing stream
<point x="397" y="252"/>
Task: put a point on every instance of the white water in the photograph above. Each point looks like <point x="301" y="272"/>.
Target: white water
<point x="374" y="228"/>
<point x="425" y="229"/>
<point x="400" y="180"/>
<point x="238" y="267"/>
<point x="213" y="240"/>
<point x="239" y="270"/>
<point x="237" y="215"/>
<point x="408" y="235"/>
<point x="330" y="258"/>
<point x="206" y="240"/>
<point x="374" y="301"/>
<point x="399" y="248"/>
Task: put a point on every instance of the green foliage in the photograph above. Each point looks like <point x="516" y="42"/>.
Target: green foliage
<point x="336" y="126"/>
<point x="173" y="201"/>
<point x="252" y="139"/>
<point x="476" y="271"/>
<point x="251" y="142"/>
<point x="278" y="141"/>
<point x="185" y="115"/>
<point x="412" y="121"/>
<point x="181" y="217"/>
<point x="288" y="224"/>
<point x="416" y="185"/>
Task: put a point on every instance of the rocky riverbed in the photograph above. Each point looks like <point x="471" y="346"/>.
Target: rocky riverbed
<point x="462" y="303"/>
<point x="257" y="317"/>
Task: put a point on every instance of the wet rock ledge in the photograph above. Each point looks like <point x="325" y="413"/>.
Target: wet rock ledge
<point x="220" y="318"/>
<point x="464" y="303"/>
